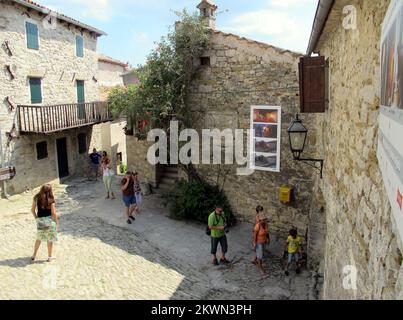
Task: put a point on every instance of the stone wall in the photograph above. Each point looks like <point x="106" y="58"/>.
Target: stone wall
<point x="56" y="63"/>
<point x="137" y="160"/>
<point x="110" y="75"/>
<point x="32" y="173"/>
<point x="112" y="136"/>
<point x="243" y="73"/>
<point x="359" y="222"/>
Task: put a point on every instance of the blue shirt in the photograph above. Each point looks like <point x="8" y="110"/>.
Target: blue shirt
<point x="95" y="158"/>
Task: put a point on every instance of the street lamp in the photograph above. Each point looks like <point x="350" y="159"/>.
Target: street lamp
<point x="297" y="133"/>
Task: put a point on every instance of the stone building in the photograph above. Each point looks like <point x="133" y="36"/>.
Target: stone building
<point x="49" y="96"/>
<point x="112" y="135"/>
<point x="129" y="77"/>
<point x="110" y="74"/>
<point x="233" y="75"/>
<point x="358" y="225"/>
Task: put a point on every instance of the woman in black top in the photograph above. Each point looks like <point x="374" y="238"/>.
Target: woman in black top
<point x="44" y="211"/>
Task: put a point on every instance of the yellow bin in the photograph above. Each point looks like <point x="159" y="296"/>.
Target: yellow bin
<point x="286" y="194"/>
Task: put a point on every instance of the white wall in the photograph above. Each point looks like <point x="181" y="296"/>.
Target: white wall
<point x="110" y="75"/>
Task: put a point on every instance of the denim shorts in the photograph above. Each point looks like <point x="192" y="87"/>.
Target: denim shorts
<point x="129" y="200"/>
<point x="259" y="251"/>
<point x="293" y="256"/>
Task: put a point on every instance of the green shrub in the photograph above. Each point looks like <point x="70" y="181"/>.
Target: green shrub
<point x="123" y="168"/>
<point x="193" y="200"/>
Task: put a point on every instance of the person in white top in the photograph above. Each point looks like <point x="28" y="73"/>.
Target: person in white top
<point x="107" y="175"/>
<point x="137" y="191"/>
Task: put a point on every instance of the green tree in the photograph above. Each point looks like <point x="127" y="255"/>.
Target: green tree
<point x="165" y="78"/>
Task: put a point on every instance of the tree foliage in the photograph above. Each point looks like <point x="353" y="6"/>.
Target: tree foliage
<point x="195" y="200"/>
<point x="164" y="79"/>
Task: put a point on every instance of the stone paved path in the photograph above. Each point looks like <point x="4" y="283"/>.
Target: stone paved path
<point x="99" y="256"/>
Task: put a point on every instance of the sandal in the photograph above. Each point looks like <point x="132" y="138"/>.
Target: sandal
<point x="129" y="221"/>
<point x="50" y="259"/>
<point x="33" y="258"/>
<point x="133" y="218"/>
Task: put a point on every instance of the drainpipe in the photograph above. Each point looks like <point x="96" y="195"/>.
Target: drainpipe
<point x="322" y="13"/>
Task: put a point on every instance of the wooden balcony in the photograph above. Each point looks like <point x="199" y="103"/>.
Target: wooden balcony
<point x="56" y="118"/>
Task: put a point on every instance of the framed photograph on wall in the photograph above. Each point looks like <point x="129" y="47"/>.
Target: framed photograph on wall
<point x="266" y="138"/>
<point x="390" y="144"/>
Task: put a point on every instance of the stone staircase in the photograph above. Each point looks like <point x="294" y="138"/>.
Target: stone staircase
<point x="168" y="179"/>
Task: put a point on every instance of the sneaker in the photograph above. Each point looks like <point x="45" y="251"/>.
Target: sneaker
<point x="287" y="273"/>
<point x="133" y="218"/>
<point x="298" y="271"/>
<point x="129" y="221"/>
<point x="224" y="261"/>
<point x="215" y="262"/>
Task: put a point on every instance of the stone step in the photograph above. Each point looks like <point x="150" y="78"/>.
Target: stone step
<point x="168" y="181"/>
<point x="165" y="188"/>
<point x="173" y="175"/>
<point x="172" y="169"/>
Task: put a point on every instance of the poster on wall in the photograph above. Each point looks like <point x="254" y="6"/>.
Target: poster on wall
<point x="390" y="146"/>
<point x="265" y="141"/>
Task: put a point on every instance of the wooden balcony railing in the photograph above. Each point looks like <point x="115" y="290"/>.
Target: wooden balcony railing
<point x="55" y="118"/>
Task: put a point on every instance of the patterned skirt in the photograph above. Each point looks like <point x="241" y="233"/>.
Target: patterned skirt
<point x="47" y="234"/>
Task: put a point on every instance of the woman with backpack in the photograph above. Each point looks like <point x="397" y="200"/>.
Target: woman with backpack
<point x="260" y="239"/>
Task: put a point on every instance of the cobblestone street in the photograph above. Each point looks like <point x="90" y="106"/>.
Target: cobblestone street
<point x="99" y="256"/>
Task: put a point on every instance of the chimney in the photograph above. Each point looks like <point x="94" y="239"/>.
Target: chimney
<point x="207" y="11"/>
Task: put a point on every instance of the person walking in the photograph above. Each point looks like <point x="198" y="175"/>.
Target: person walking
<point x="260" y="239"/>
<point x="47" y="222"/>
<point x="129" y="198"/>
<point x="294" y="250"/>
<point x="259" y="209"/>
<point x="217" y="225"/>
<point x="137" y="191"/>
<point x="94" y="163"/>
<point x="107" y="175"/>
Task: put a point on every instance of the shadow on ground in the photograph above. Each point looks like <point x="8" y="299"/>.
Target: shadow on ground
<point x="180" y="246"/>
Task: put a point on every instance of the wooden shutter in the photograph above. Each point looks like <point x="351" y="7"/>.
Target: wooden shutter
<point x="312" y="83"/>
<point x="32" y="36"/>
<point x="81" y="99"/>
<point x="36" y="90"/>
<point x="79" y="46"/>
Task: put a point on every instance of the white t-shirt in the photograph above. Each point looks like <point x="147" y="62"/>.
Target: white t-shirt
<point x="107" y="172"/>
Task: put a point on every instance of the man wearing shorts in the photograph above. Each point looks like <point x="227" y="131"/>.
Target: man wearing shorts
<point x="95" y="158"/>
<point x="294" y="250"/>
<point x="129" y="198"/>
<point x="217" y="224"/>
<point x="260" y="239"/>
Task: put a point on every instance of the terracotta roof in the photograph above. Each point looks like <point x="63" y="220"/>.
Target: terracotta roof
<point x="262" y="44"/>
<point x="33" y="5"/>
<point x="110" y="60"/>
